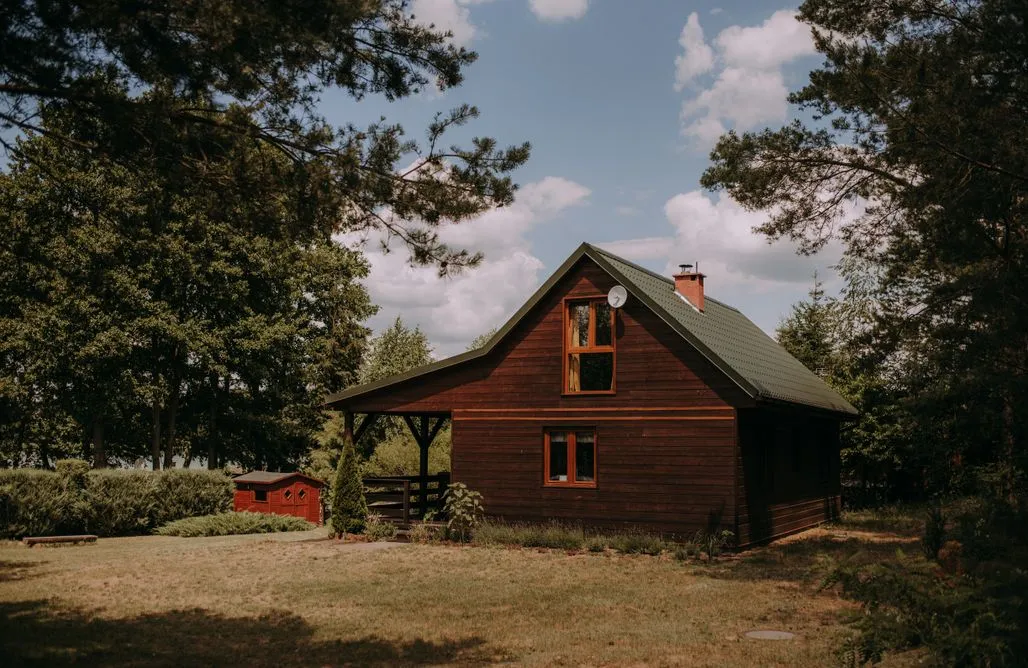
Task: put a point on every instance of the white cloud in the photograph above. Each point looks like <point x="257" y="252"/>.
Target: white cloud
<point x="748" y="88"/>
<point x="778" y="40"/>
<point x="452" y="15"/>
<point x="718" y="234"/>
<point x="454" y="310"/>
<point x="558" y="10"/>
<point x="696" y="58"/>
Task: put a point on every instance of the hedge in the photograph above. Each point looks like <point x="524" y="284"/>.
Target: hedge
<point x="228" y="524"/>
<point x="105" y="502"/>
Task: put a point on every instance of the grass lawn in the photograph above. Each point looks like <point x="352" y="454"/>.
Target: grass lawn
<point x="299" y="599"/>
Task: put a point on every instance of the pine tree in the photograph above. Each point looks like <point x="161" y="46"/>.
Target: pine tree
<point x="349" y="507"/>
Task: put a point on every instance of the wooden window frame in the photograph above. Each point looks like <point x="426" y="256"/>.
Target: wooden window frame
<point x="568" y="350"/>
<point x="260" y="491"/>
<point x="572" y="443"/>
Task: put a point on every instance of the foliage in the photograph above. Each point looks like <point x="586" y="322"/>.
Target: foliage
<point x="255" y="75"/>
<point x="877" y="461"/>
<point x="378" y="528"/>
<point x="422" y="532"/>
<point x="713" y="542"/>
<point x="909" y="603"/>
<point x="399" y="454"/>
<point x="107" y="502"/>
<point x="349" y="508"/>
<point x="148" y="306"/>
<point x="464" y="510"/>
<point x="227" y="524"/>
<point x="482" y="339"/>
<point x="917" y="167"/>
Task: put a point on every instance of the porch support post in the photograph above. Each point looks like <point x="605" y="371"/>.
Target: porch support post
<point x="348" y="426"/>
<point x="424" y="432"/>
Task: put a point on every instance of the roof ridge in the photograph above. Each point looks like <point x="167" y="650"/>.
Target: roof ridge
<point x="654" y="274"/>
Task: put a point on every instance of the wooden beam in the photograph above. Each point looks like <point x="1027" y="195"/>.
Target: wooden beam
<point x="348" y="426"/>
<point x="435" y="429"/>
<point x="414" y="431"/>
<point x="369" y="421"/>
<point x="423" y="468"/>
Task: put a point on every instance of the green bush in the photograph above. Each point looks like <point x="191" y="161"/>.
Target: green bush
<point x="105" y="502"/>
<point x="378" y="528"/>
<point x="227" y="524"/>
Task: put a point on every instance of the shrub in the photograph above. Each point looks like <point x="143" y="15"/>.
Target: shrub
<point x="349" y="507"/>
<point x="421" y="532"/>
<point x="105" y="502"/>
<point x="379" y="528"/>
<point x="226" y="524"/>
<point x="463" y="509"/>
<point x="637" y="542"/>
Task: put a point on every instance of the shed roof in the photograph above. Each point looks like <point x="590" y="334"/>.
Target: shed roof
<point x="762" y="368"/>
<point x="268" y="477"/>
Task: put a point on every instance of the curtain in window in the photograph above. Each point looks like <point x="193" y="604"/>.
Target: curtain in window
<point x="574" y="368"/>
<point x="574" y="374"/>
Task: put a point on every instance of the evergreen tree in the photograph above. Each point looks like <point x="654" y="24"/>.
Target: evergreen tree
<point x="917" y="164"/>
<point x="255" y="73"/>
<point x="349" y="507"/>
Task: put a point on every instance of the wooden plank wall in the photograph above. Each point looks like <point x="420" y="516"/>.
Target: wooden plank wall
<point x="796" y="493"/>
<point x="655" y="366"/>
<point x="662" y="473"/>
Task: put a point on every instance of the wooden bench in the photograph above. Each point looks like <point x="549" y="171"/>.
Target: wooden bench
<point x="54" y="540"/>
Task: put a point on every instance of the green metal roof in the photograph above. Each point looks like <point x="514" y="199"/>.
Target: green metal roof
<point x="723" y="335"/>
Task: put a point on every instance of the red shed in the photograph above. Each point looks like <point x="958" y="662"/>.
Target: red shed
<point x="279" y="493"/>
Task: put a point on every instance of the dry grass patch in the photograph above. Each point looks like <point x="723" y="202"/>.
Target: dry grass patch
<point x="298" y="599"/>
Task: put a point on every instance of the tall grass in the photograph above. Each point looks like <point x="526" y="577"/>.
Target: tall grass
<point x="559" y="536"/>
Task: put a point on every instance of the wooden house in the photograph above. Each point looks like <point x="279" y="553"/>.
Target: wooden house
<point x="279" y="493"/>
<point x="617" y="397"/>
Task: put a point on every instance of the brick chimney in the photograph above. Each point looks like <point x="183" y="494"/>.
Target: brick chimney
<point x="689" y="284"/>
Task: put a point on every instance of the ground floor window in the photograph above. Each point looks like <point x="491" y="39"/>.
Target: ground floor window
<point x="260" y="495"/>
<point x="569" y="458"/>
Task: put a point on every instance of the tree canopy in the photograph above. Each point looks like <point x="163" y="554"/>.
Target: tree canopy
<point x="145" y="306"/>
<point x="915" y="161"/>
<point x="257" y="73"/>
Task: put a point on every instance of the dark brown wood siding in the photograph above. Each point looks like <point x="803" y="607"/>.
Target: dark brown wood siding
<point x="788" y="472"/>
<point x="663" y="473"/>
<point x="655" y="366"/>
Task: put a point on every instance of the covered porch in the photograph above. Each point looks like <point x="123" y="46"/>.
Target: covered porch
<point x="403" y="499"/>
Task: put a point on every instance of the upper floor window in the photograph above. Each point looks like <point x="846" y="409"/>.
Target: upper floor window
<point x="588" y="346"/>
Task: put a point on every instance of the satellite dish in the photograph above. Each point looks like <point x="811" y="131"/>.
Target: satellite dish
<point x="617" y="296"/>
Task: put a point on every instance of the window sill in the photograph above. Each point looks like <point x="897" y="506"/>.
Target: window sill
<point x="589" y="393"/>
<point x="569" y="485"/>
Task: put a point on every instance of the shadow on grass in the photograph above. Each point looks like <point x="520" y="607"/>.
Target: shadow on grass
<point x="32" y="633"/>
<point x="808" y="559"/>
<point x="11" y="571"/>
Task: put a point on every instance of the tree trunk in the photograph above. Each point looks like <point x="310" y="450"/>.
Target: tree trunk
<point x="169" y="445"/>
<point x="99" y="454"/>
<point x="212" y="432"/>
<point x="155" y="442"/>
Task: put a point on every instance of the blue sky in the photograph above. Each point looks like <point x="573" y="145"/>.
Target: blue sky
<point x="621" y="102"/>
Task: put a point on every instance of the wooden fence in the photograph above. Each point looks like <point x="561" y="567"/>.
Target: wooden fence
<point x="398" y="498"/>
